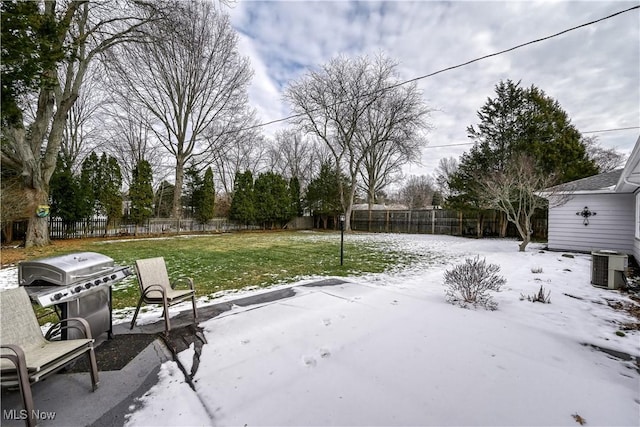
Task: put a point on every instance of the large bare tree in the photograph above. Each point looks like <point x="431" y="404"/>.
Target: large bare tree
<point x="344" y="104"/>
<point x="81" y="130"/>
<point x="30" y="145"/>
<point x="128" y="137"/>
<point x="191" y="79"/>
<point x="393" y="134"/>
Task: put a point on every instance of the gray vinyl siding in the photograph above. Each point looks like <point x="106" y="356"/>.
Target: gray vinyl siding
<point x="636" y="241"/>
<point x="612" y="228"/>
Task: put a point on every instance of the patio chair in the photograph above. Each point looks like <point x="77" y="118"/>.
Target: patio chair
<point x="26" y="356"/>
<point x="155" y="288"/>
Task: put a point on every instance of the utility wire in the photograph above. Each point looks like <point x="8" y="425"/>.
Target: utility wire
<point x="453" y="67"/>
<point x="588" y="131"/>
<point x="610" y="130"/>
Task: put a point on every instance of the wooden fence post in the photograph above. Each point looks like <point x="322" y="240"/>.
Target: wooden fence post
<point x="433" y="221"/>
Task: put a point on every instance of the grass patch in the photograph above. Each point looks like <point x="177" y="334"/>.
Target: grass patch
<point x="235" y="261"/>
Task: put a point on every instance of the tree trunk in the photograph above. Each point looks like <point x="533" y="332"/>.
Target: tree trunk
<point x="525" y="233"/>
<point x="7" y="232"/>
<point x="523" y="245"/>
<point x="37" y="227"/>
<point x="504" y="223"/>
<point x="176" y="209"/>
<point x="479" y="225"/>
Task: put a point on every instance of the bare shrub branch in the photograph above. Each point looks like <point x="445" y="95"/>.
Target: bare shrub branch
<point x="470" y="283"/>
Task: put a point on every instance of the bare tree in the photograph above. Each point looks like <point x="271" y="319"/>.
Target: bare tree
<point x="607" y="159"/>
<point x="392" y="133"/>
<point x="81" y="129"/>
<point x="292" y="154"/>
<point x="338" y="105"/>
<point x="127" y="136"/>
<point x="447" y="166"/>
<point x="514" y="191"/>
<point x="245" y="150"/>
<point x="30" y="147"/>
<point x="191" y="79"/>
<point x="417" y="192"/>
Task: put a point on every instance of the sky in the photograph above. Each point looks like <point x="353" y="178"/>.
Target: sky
<point x="593" y="72"/>
<point x="388" y="349"/>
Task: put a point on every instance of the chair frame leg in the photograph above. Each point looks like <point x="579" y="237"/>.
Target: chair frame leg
<point x="193" y="301"/>
<point x="18" y="359"/>
<point x="167" y="325"/>
<point x="95" y="380"/>
<point x="133" y="321"/>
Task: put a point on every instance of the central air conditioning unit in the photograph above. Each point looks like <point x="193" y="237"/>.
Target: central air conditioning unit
<point x="607" y="269"/>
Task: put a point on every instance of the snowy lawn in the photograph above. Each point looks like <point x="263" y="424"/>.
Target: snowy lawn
<point x="387" y="349"/>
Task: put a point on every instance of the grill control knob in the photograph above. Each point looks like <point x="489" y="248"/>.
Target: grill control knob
<point x="57" y="296"/>
<point x="78" y="288"/>
<point x="97" y="282"/>
<point x="113" y="277"/>
<point x="88" y="285"/>
<point x="106" y="279"/>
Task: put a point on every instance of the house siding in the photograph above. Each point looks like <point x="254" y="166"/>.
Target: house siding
<point x="636" y="240"/>
<point x="612" y="228"/>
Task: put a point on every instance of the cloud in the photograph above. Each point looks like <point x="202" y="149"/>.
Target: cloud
<point x="593" y="72"/>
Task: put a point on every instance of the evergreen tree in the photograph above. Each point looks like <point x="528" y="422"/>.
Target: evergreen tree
<point x="242" y="205"/>
<point x="518" y="121"/>
<point x="323" y="194"/>
<point x="272" y="199"/>
<point x="207" y="198"/>
<point x="525" y="121"/>
<point x="30" y="46"/>
<point x="141" y="193"/>
<point x="192" y="193"/>
<point x="68" y="200"/>
<point x="91" y="181"/>
<point x="109" y="194"/>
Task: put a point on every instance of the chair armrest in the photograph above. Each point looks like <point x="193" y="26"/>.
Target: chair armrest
<point x="188" y="280"/>
<point x="79" y="323"/>
<point x="15" y="355"/>
<point x="155" y="288"/>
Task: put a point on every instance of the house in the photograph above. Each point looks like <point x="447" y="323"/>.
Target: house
<point x="601" y="212"/>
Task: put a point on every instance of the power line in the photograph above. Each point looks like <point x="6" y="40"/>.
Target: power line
<point x="453" y="67"/>
<point x="588" y="131"/>
<point x="610" y="130"/>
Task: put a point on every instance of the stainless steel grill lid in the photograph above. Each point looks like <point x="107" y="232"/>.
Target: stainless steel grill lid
<point x="63" y="270"/>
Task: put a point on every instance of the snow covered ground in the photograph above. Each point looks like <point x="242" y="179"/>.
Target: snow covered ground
<point x="387" y="349"/>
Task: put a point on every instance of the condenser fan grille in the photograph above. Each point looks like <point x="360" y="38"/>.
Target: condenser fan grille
<point x="600" y="270"/>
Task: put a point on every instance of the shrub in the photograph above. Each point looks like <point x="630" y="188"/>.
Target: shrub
<point x="539" y="297"/>
<point x="469" y="283"/>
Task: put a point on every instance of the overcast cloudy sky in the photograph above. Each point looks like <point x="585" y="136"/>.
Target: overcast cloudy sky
<point x="594" y="72"/>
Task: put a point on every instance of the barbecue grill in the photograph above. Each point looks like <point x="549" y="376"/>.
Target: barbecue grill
<point x="75" y="285"/>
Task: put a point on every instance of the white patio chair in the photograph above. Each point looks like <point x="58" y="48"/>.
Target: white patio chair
<point x="26" y="356"/>
<point x="155" y="288"/>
